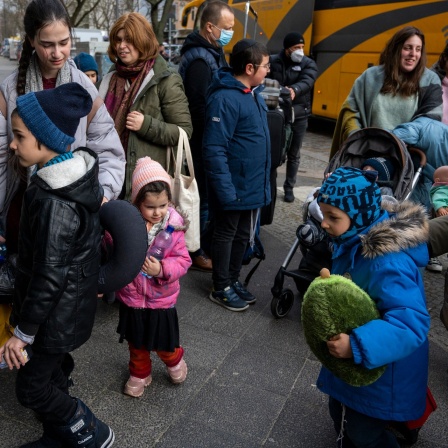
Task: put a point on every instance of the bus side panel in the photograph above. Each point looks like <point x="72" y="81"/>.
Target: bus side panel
<point x="346" y="41"/>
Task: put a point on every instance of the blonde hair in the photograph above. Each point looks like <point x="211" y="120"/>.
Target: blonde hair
<point x="138" y="32"/>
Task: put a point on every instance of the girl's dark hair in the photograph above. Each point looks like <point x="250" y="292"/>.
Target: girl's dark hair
<point x="251" y="53"/>
<point x="395" y="80"/>
<point x="154" y="187"/>
<point x="38" y="14"/>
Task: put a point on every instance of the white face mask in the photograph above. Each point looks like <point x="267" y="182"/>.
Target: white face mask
<point x="297" y="55"/>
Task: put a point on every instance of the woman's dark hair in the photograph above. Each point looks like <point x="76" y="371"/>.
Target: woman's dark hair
<point x="395" y="80"/>
<point x="140" y="34"/>
<point x="154" y="187"/>
<point x="246" y="52"/>
<point x="38" y="14"/>
<point x="443" y="58"/>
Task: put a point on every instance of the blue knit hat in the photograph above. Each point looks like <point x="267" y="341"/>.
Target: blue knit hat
<point x="85" y="62"/>
<point x="385" y="168"/>
<point x="53" y="115"/>
<point x="356" y="193"/>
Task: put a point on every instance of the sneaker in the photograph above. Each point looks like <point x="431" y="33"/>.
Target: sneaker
<point x="229" y="299"/>
<point x="243" y="293"/>
<point x="434" y="265"/>
<point x="202" y="263"/>
<point x="289" y="196"/>
<point x="135" y="387"/>
<point x="178" y="373"/>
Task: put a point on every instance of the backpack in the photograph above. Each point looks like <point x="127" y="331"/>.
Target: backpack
<point x="254" y="249"/>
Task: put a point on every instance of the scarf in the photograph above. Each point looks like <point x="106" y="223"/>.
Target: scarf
<point x="122" y="92"/>
<point x="34" y="82"/>
<point x="156" y="228"/>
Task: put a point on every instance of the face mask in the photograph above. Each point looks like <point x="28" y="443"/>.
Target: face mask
<point x="297" y="56"/>
<point x="225" y="37"/>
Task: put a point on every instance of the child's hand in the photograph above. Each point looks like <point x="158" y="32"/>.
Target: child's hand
<point x="12" y="352"/>
<point x="442" y="211"/>
<point x="339" y="346"/>
<point x="134" y="120"/>
<point x="152" y="266"/>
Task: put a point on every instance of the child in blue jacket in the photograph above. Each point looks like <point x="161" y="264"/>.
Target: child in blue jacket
<point x="381" y="251"/>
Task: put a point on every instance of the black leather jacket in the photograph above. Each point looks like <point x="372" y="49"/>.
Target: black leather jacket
<point x="59" y="239"/>
<point x="300" y="76"/>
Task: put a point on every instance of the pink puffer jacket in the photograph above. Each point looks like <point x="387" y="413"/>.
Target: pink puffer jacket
<point x="161" y="292"/>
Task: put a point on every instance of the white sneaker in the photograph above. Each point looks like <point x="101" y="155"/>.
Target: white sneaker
<point x="434" y="265"/>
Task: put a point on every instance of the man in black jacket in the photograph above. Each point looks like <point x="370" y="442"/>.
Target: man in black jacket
<point x="202" y="55"/>
<point x="292" y="69"/>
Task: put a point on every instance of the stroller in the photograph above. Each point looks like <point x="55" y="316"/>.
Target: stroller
<point x="360" y="146"/>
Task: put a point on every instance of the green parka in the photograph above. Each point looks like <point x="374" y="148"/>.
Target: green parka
<point x="162" y="100"/>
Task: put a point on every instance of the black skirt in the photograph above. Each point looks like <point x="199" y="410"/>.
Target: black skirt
<point x="148" y="328"/>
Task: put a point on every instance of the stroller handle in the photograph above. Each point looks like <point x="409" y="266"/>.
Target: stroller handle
<point x="418" y="173"/>
<point x="420" y="153"/>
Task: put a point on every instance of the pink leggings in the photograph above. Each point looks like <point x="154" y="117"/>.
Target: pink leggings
<point x="140" y="360"/>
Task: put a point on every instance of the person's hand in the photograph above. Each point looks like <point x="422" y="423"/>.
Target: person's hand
<point x="12" y="352"/>
<point x="339" y="346"/>
<point x="442" y="211"/>
<point x="152" y="266"/>
<point x="292" y="92"/>
<point x="328" y="175"/>
<point x="104" y="200"/>
<point x="134" y="120"/>
<point x="2" y="239"/>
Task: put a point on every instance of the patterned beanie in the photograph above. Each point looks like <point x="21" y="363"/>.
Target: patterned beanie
<point x="53" y="115"/>
<point x="356" y="193"/>
<point x="292" y="39"/>
<point x="385" y="168"/>
<point x="86" y="62"/>
<point x="147" y="171"/>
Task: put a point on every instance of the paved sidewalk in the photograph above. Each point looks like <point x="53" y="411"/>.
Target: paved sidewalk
<point x="251" y="377"/>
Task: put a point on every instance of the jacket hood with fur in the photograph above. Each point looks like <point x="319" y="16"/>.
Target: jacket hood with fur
<point x="406" y="228"/>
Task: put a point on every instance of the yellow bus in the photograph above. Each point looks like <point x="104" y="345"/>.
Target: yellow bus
<point x="344" y="37"/>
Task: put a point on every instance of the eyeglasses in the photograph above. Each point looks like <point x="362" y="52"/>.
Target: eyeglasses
<point x="266" y="66"/>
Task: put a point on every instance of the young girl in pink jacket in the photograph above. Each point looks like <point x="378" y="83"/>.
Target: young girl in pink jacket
<point x="148" y="317"/>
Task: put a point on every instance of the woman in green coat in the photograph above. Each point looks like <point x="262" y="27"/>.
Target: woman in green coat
<point x="145" y="98"/>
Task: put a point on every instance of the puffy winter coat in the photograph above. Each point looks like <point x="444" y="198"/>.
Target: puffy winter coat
<point x="161" y="99"/>
<point x="200" y="61"/>
<point x="384" y="262"/>
<point x="59" y="254"/>
<point x="161" y="292"/>
<point x="299" y="76"/>
<point x="236" y="146"/>
<point x="99" y="135"/>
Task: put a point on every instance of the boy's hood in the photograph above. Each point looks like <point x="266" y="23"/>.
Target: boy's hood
<point x="406" y="229"/>
<point x="224" y="78"/>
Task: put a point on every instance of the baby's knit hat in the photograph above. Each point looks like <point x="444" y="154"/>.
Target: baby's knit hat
<point x="53" y="115"/>
<point x="385" y="168"/>
<point x="354" y="192"/>
<point x="147" y="171"/>
<point x="86" y="62"/>
<point x="292" y="39"/>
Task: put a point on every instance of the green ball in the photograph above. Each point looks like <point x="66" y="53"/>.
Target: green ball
<point x="337" y="305"/>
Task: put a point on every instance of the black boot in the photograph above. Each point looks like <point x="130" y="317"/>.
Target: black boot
<point x="84" y="430"/>
<point x="48" y="440"/>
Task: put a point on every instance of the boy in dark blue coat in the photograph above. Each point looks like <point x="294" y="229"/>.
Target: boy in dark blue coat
<point x="237" y="160"/>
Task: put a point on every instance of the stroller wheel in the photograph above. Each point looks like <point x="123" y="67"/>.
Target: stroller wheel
<point x="281" y="305"/>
